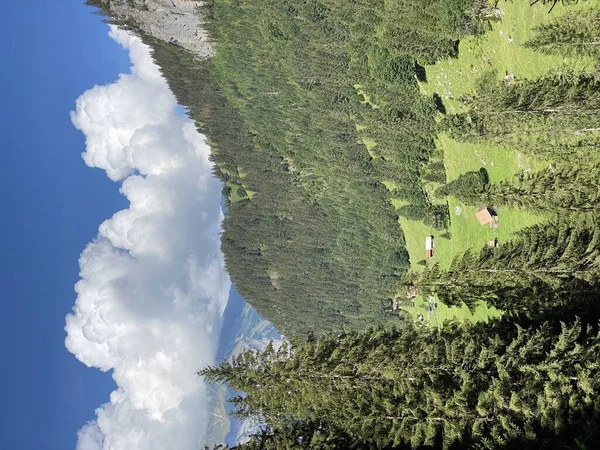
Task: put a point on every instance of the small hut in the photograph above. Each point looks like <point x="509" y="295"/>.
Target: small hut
<point x="484" y="216"/>
<point x="487" y="216"/>
<point x="413" y="290"/>
<point x="429" y="247"/>
<point x="493" y="243"/>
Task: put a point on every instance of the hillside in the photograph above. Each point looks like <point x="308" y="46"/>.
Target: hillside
<point x="502" y="52"/>
<point x="177" y="22"/>
<point x="311" y="233"/>
<point x="333" y="136"/>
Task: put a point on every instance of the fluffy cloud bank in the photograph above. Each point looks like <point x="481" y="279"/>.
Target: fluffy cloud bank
<point x="153" y="287"/>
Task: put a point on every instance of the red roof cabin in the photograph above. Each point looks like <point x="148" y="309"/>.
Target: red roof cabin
<point x="487" y="216"/>
<point x="484" y="216"/>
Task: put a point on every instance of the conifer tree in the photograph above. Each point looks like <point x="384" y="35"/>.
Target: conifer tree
<point x="567" y="101"/>
<point x="559" y="190"/>
<point x="566" y="92"/>
<point x="548" y="267"/>
<point x="554" y="116"/>
<point x="574" y="33"/>
<point x="470" y="184"/>
<point x="468" y="384"/>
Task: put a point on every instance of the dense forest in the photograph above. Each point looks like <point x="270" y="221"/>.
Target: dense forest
<point x="294" y="95"/>
<point x="339" y="250"/>
<point x="497" y="385"/>
<point x="325" y="140"/>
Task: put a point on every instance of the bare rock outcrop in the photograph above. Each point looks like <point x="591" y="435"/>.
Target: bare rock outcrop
<point x="175" y="21"/>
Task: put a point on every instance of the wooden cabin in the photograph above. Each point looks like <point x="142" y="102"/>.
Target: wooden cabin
<point x="413" y="291"/>
<point x="429" y="246"/>
<point x="487" y="216"/>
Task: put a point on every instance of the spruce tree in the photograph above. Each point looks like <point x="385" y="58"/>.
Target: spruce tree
<point x="554" y="116"/>
<point x="548" y="267"/>
<point x="556" y="189"/>
<point x="468" y="384"/>
<point x="470" y="184"/>
<point x="574" y="33"/>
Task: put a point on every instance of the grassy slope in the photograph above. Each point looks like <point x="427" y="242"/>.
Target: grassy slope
<point x="452" y="78"/>
<point x="499" y="49"/>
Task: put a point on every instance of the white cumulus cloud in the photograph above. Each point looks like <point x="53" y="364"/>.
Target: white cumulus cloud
<point x="153" y="286"/>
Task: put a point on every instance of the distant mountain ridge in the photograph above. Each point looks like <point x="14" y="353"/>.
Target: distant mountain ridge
<point x="243" y="329"/>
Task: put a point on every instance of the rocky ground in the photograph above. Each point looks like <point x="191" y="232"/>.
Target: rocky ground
<point x="175" y="21"/>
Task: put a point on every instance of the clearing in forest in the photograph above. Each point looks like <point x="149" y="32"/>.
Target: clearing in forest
<point x="501" y="50"/>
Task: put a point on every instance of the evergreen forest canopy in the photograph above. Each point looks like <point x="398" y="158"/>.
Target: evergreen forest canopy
<point x="311" y="238"/>
<point x="324" y="138"/>
<point x="469" y="386"/>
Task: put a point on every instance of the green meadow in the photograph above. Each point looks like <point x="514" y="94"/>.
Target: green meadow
<point x="500" y="49"/>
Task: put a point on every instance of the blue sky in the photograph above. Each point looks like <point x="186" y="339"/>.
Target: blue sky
<point x="52" y="50"/>
<point x="151" y="282"/>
